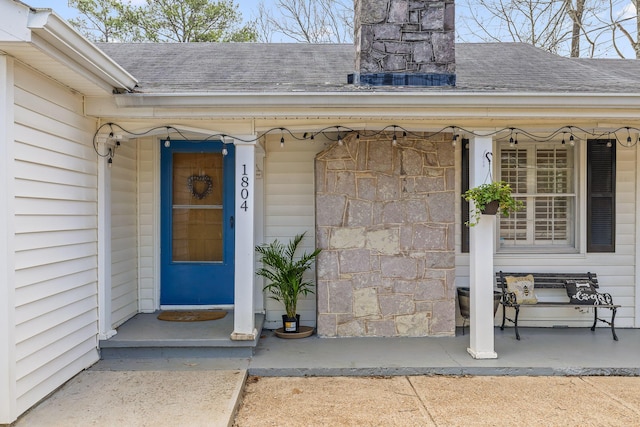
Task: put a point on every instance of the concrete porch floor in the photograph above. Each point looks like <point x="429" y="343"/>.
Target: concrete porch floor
<point x="147" y="337"/>
<point x="541" y="351"/>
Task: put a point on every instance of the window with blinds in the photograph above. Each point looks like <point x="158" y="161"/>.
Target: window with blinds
<point x="542" y="176"/>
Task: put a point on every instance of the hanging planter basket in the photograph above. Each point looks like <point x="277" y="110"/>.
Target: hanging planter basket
<point x="494" y="196"/>
<point x="491" y="208"/>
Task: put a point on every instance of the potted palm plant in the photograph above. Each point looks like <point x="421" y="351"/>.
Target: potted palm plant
<point x="490" y="199"/>
<point x="284" y="272"/>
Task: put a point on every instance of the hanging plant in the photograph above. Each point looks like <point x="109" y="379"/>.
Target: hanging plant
<point x="498" y="194"/>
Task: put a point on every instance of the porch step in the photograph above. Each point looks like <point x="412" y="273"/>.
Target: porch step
<point x="144" y="336"/>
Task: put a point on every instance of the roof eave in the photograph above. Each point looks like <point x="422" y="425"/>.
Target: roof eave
<point x="379" y="98"/>
<point x="58" y="38"/>
<point x="44" y="30"/>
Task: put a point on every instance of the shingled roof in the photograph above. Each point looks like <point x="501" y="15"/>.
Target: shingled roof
<point x="283" y="67"/>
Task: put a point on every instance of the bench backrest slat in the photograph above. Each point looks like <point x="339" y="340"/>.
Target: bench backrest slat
<point x="548" y="280"/>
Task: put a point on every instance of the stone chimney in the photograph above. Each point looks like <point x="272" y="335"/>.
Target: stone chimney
<point x="404" y="43"/>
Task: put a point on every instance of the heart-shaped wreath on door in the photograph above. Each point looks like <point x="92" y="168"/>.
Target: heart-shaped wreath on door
<point x="200" y="186"/>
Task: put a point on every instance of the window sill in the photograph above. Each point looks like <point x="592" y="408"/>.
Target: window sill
<point x="538" y="250"/>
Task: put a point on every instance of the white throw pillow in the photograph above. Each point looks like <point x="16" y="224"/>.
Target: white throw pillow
<point x="522" y="286"/>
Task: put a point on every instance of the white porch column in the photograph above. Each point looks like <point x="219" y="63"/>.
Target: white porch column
<point x="105" y="331"/>
<point x="7" y="245"/>
<point x="258" y="229"/>
<point x="481" y="248"/>
<point x="244" y="318"/>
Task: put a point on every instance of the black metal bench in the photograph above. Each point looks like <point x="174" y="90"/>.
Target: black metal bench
<point x="552" y="281"/>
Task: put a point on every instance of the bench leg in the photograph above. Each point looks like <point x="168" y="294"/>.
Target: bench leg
<point x="515" y="323"/>
<point x="614" y="310"/>
<point x="613" y="318"/>
<point x="504" y="316"/>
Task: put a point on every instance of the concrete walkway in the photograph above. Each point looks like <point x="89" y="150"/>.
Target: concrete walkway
<point x="440" y="401"/>
<point x="128" y="398"/>
<point x="205" y="391"/>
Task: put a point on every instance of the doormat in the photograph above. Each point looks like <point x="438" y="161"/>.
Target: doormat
<point x="191" y="315"/>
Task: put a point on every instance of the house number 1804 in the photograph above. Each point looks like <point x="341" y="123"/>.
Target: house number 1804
<point x="244" y="192"/>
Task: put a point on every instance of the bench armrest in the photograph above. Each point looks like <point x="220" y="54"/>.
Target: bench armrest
<point x="509" y="298"/>
<point x="605" y="298"/>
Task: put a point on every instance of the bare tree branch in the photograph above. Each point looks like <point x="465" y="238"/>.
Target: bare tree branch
<point x="558" y="26"/>
<point x="307" y="21"/>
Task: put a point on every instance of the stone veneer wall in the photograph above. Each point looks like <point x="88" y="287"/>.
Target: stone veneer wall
<point x="385" y="222"/>
<point x="409" y="36"/>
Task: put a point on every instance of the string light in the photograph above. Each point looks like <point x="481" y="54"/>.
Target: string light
<point x="110" y="132"/>
<point x="167" y="142"/>
<point x="114" y="138"/>
<point x="511" y="140"/>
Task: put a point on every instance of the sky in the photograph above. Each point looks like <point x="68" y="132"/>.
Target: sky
<point x="248" y="9"/>
<point x="61" y="7"/>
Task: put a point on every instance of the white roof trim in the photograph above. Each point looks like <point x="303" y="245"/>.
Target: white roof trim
<point x="57" y="33"/>
<point x="52" y="35"/>
<point x="389" y="99"/>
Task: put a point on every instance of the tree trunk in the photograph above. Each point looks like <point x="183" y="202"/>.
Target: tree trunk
<point x="576" y="17"/>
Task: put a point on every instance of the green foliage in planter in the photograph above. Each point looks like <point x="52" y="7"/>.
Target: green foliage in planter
<point x="284" y="273"/>
<point x="486" y="193"/>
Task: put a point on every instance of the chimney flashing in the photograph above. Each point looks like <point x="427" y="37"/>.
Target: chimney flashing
<point x="402" y="79"/>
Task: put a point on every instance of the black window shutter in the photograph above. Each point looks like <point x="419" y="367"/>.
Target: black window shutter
<point x="464" y="187"/>
<point x="601" y="195"/>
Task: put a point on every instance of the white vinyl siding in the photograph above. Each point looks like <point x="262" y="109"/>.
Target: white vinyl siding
<point x="290" y="210"/>
<point x="56" y="237"/>
<point x="616" y="271"/>
<point x="124" y="242"/>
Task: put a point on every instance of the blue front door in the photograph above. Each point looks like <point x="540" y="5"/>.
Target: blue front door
<point x="197" y="249"/>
